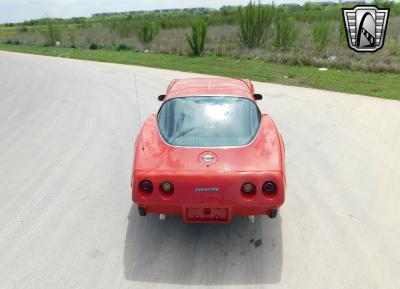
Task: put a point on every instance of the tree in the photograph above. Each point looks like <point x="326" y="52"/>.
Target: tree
<point x="285" y="32"/>
<point x="147" y="32"/>
<point x="197" y="38"/>
<point x="255" y="22"/>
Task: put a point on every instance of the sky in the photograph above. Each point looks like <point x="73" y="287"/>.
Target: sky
<point x="20" y="10"/>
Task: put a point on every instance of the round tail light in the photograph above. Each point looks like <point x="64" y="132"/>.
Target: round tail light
<point x="146" y="186"/>
<point x="269" y="188"/>
<point x="167" y="188"/>
<point x="248" y="189"/>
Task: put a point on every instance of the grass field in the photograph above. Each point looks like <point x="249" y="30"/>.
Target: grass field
<point x="383" y="85"/>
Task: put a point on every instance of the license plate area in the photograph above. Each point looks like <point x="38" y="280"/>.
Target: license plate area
<point x="207" y="214"/>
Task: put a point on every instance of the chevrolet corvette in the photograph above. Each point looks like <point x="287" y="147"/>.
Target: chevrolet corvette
<point x="209" y="154"/>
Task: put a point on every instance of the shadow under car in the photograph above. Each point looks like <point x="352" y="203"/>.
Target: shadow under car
<point x="175" y="252"/>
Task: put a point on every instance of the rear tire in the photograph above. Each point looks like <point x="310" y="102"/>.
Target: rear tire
<point x="273" y="213"/>
<point x="142" y="211"/>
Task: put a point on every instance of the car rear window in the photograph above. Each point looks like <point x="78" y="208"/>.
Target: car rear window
<point x="209" y="121"/>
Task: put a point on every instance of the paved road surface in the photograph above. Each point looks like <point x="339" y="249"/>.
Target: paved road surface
<point x="67" y="129"/>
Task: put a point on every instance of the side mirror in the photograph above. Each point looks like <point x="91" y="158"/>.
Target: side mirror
<point x="161" y="97"/>
<point x="258" y="96"/>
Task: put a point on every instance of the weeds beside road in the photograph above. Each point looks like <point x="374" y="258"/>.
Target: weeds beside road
<point x="383" y="85"/>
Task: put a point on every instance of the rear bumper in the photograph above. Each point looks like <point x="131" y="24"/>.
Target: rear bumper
<point x="209" y="207"/>
<point x="206" y="214"/>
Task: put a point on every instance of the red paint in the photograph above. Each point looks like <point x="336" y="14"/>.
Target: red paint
<point x="260" y="161"/>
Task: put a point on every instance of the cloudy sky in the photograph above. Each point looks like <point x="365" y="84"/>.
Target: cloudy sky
<point x="20" y="10"/>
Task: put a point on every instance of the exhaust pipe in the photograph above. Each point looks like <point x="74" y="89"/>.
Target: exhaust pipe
<point x="251" y="219"/>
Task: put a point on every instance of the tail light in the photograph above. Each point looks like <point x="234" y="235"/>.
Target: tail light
<point x="146" y="186"/>
<point x="269" y="188"/>
<point x="167" y="188"/>
<point x="248" y="189"/>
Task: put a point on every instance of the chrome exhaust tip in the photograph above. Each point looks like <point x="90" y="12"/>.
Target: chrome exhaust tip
<point x="251" y="219"/>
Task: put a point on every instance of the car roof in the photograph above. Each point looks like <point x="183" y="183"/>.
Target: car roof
<point x="210" y="87"/>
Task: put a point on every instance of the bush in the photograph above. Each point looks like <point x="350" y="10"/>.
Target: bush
<point x="94" y="46"/>
<point x="147" y="32"/>
<point x="320" y="34"/>
<point x="124" y="47"/>
<point x="255" y="23"/>
<point x="285" y="33"/>
<point x="47" y="44"/>
<point x="53" y="34"/>
<point x="197" y="38"/>
<point x="23" y="29"/>
<point x="11" y="41"/>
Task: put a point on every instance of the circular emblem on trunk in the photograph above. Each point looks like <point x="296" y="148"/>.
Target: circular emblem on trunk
<point x="208" y="158"/>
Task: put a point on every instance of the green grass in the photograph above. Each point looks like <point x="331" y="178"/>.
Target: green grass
<point x="383" y="85"/>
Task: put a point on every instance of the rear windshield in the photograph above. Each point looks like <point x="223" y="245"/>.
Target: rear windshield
<point x="209" y="121"/>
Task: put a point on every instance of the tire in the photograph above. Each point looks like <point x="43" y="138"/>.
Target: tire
<point x="273" y="214"/>
<point x="142" y="211"/>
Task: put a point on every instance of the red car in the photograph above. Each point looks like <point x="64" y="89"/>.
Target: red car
<point x="209" y="154"/>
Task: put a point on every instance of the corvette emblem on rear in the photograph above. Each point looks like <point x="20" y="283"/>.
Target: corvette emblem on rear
<point x="208" y="158"/>
<point x="206" y="189"/>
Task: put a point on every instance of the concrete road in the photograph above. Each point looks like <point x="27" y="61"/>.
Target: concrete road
<point x="67" y="129"/>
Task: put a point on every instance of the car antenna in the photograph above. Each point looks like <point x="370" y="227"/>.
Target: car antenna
<point x="137" y="102"/>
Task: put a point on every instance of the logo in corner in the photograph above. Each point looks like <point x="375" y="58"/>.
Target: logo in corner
<point x="365" y="27"/>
